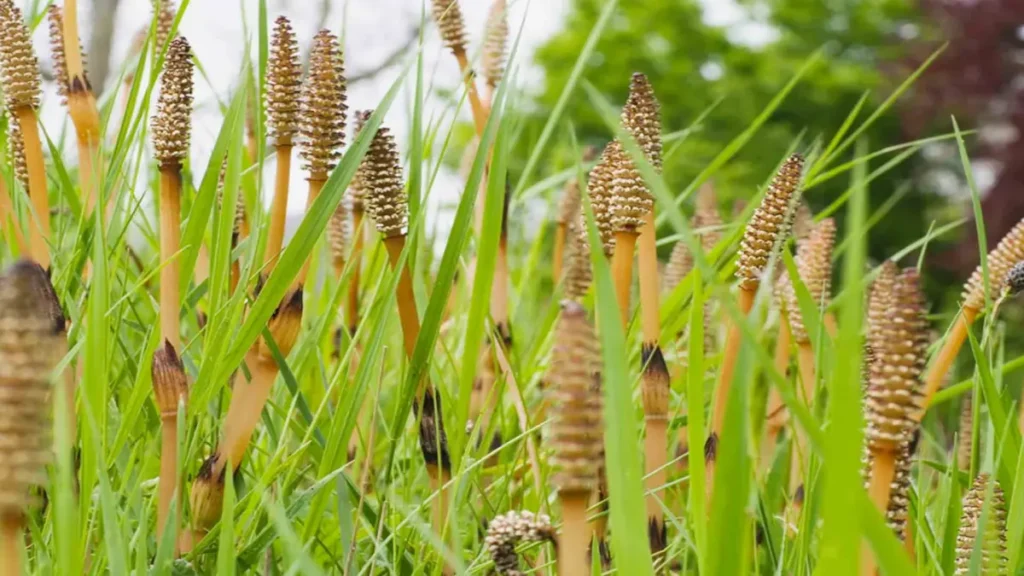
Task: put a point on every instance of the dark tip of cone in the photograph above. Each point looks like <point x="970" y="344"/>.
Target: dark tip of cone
<point x="657" y="534"/>
<point x="653" y="360"/>
<point x="432" y="436"/>
<point x="205" y="473"/>
<point x="77" y="85"/>
<point x="711" y="447"/>
<point x="798" y="496"/>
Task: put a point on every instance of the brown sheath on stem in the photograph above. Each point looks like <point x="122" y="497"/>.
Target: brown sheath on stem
<point x="170" y="387"/>
<point x="170" y="242"/>
<point x="622" y="270"/>
<point x="39" y="228"/>
<point x="206" y="500"/>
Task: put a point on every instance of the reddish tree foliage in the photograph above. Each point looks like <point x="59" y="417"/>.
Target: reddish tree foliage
<point x="980" y="79"/>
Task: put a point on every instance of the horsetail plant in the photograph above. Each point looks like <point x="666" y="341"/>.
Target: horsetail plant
<point x="507" y="531"/>
<point x="448" y="16"/>
<point x="284" y="84"/>
<point x="322" y="116"/>
<point x="29" y="345"/>
<point x="768" y="228"/>
<point x="19" y="71"/>
<point x="576" y="432"/>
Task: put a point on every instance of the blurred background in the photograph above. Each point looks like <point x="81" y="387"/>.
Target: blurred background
<point x="724" y="59"/>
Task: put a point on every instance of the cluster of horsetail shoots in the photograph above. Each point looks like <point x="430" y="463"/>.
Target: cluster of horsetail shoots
<point x="19" y="70"/>
<point x="768" y="228"/>
<point x="322" y="116"/>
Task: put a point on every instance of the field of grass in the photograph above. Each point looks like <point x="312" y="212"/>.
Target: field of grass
<point x="381" y="397"/>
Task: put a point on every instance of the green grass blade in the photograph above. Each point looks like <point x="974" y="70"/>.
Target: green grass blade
<point x="696" y="437"/>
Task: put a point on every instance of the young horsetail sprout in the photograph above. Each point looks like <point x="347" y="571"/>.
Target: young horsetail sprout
<point x="568" y="209"/>
<point x="984" y="518"/>
<point x="450" y="24"/>
<point x="965" y="440"/>
<point x="900" y="342"/>
<point x="387" y="205"/>
<point x="171" y="129"/>
<point x="207" y="498"/>
<point x="578" y="274"/>
<point x="164" y="13"/>
<point x="575" y="431"/>
<point x="30" y="345"/>
<point x="814" y="264"/>
<point x="16" y="154"/>
<point x="1014" y="280"/>
<point x="599" y="188"/>
<point x="322" y="116"/>
<point x="767" y="230"/>
<point x="76" y="93"/>
<point x="507" y="531"/>
<point x="19" y="71"/>
<point x="170" y="388"/>
<point x="1001" y="259"/>
<point x="284" y="82"/>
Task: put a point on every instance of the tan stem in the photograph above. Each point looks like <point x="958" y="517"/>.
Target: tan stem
<point x="475" y="104"/>
<point x="883" y="468"/>
<point x="247" y="402"/>
<point x="574" y="537"/>
<point x="656" y="451"/>
<point x="647" y="258"/>
<point x="279" y="205"/>
<point x="730" y="354"/>
<point x="439" y="505"/>
<point x="831" y="327"/>
<point x="622" y="270"/>
<point x="9" y="219"/>
<point x="39" y="229"/>
<point x="170" y="240"/>
<point x="168" y="474"/>
<point x="72" y="44"/>
<point x="10" y="545"/>
<point x="352" y="317"/>
<point x="775" y="410"/>
<point x="557" y="258"/>
<point x="315" y="185"/>
<point x="944" y="360"/>
<point x="407" y="313"/>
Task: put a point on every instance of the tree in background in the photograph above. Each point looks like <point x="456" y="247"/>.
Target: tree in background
<point x="979" y="79"/>
<point x="693" y="65"/>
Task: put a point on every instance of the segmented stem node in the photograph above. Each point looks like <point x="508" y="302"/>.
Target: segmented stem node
<point x="170" y="385"/>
